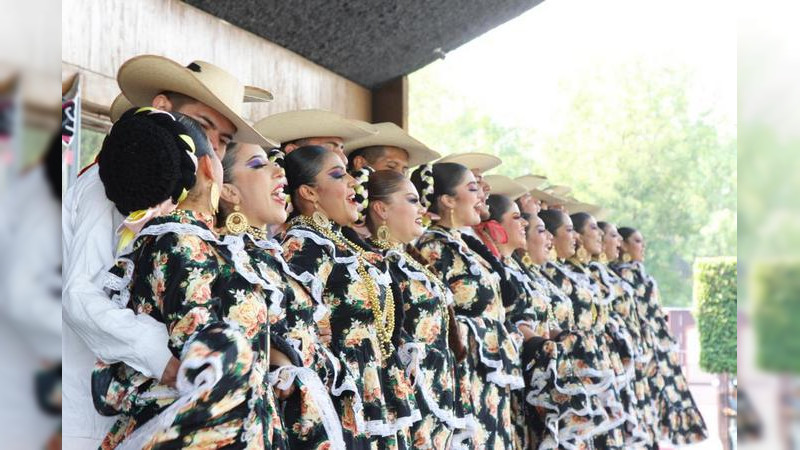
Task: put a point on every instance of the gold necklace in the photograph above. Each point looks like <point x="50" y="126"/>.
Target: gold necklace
<point x="384" y="318"/>
<point x="259" y="233"/>
<point x="386" y="245"/>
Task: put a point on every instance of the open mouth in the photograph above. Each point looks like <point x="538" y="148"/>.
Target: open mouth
<point x="418" y="221"/>
<point x="352" y="198"/>
<point x="278" y="194"/>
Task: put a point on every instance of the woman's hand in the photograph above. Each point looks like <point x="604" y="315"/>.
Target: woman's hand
<point x="277" y="358"/>
<point x="526" y="330"/>
<point x="170" y="375"/>
<point x="325" y="330"/>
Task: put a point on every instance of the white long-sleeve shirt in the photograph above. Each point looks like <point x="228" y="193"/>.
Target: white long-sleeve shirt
<point x="94" y="326"/>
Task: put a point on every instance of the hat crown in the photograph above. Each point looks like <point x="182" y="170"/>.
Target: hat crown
<point x="223" y="84"/>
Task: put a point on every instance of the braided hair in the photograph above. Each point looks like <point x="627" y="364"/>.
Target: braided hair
<point x="150" y="156"/>
<point x="362" y="192"/>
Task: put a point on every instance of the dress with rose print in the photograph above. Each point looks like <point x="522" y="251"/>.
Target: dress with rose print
<point x="626" y="318"/>
<point x="376" y="404"/>
<point x="309" y="417"/>
<point x="425" y="318"/>
<point x="491" y="369"/>
<point x="560" y="412"/>
<point x="602" y="368"/>
<point x="214" y="306"/>
<point x="678" y="418"/>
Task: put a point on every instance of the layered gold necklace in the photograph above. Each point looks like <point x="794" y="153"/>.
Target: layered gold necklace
<point x="384" y="317"/>
<point x="388" y="245"/>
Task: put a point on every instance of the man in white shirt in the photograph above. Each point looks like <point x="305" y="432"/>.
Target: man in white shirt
<point x="94" y="326"/>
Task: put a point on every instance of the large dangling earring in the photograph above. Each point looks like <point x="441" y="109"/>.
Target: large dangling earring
<point x="582" y="255"/>
<point x="214" y="198"/>
<point x="453" y="218"/>
<point x="626" y="257"/>
<point x="236" y="222"/>
<point x="603" y="258"/>
<point x="319" y="218"/>
<point x="526" y="259"/>
<point x="383" y="233"/>
<point x="552" y="255"/>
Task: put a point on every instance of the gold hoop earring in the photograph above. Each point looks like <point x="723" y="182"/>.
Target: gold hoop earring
<point x="582" y="255"/>
<point x="552" y="255"/>
<point x="214" y="198"/>
<point x="319" y="218"/>
<point x="526" y="259"/>
<point x="236" y="222"/>
<point x="383" y="233"/>
<point x="603" y="258"/>
<point x="626" y="257"/>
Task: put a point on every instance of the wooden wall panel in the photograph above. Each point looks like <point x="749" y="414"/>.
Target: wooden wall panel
<point x="99" y="35"/>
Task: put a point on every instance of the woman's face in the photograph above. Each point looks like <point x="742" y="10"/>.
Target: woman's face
<point x="529" y="204"/>
<point x="514" y="225"/>
<point x="403" y="214"/>
<point x="611" y="242"/>
<point x="483" y="208"/>
<point x="259" y="184"/>
<point x="539" y="241"/>
<point x="634" y="246"/>
<point x="592" y="237"/>
<point x="335" y="191"/>
<point x="564" y="239"/>
<point x="468" y="202"/>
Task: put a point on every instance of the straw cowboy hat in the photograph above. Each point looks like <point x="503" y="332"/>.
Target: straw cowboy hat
<point x="390" y="134"/>
<point x="531" y="181"/>
<point x="307" y="123"/>
<point x="474" y="160"/>
<point x="546" y="197"/>
<point x="598" y="212"/>
<point x="558" y="190"/>
<point x="503" y="185"/>
<point x="143" y="77"/>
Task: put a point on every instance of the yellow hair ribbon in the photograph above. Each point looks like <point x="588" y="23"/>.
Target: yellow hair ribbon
<point x="188" y="141"/>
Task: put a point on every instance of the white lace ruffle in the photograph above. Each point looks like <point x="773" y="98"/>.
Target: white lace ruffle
<point x="474" y="265"/>
<point x="497" y="377"/>
<point x="318" y="394"/>
<point x="188" y="392"/>
<point x="420" y="276"/>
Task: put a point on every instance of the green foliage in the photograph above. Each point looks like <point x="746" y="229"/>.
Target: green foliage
<point x="716" y="313"/>
<point x="775" y="287"/>
<point x="630" y="140"/>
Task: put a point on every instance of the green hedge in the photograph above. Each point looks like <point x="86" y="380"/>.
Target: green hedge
<point x="715" y="311"/>
<point x="775" y="292"/>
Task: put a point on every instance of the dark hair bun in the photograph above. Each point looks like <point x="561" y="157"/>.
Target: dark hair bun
<point x="147" y="158"/>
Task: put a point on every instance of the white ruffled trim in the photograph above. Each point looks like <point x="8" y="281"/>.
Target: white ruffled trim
<point x="419" y="276"/>
<point x="188" y="391"/>
<point x="465" y="433"/>
<point x="497" y="377"/>
<point x="114" y="283"/>
<point x="319" y="395"/>
<point x="474" y="266"/>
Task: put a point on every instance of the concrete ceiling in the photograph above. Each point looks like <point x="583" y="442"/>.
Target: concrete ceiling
<point x="369" y="42"/>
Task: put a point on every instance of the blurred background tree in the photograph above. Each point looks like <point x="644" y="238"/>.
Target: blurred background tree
<point x="628" y="138"/>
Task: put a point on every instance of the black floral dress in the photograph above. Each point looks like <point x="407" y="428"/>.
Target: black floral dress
<point x="622" y="328"/>
<point x="678" y="418"/>
<point x="602" y="368"/>
<point x="214" y="305"/>
<point x="309" y="417"/>
<point x="492" y="369"/>
<point x="561" y="412"/>
<point x="376" y="402"/>
<point x="425" y="319"/>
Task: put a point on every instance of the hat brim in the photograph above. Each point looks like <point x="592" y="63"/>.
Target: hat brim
<point x="307" y="123"/>
<point x="531" y="182"/>
<point x="389" y="134"/>
<point x="474" y="161"/>
<point x="143" y="77"/>
<point x="546" y="197"/>
<point x="503" y="185"/>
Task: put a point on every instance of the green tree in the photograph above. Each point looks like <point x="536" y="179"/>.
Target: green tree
<point x="629" y="141"/>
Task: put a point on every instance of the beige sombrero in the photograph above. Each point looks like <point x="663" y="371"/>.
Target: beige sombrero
<point x="392" y="135"/>
<point x="560" y="191"/>
<point x="598" y="212"/>
<point x="473" y="160"/>
<point x="546" y="197"/>
<point x="503" y="185"/>
<point x="531" y="181"/>
<point x="143" y="77"/>
<point x="307" y="123"/>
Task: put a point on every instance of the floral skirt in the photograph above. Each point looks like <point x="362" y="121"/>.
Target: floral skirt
<point x="237" y="411"/>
